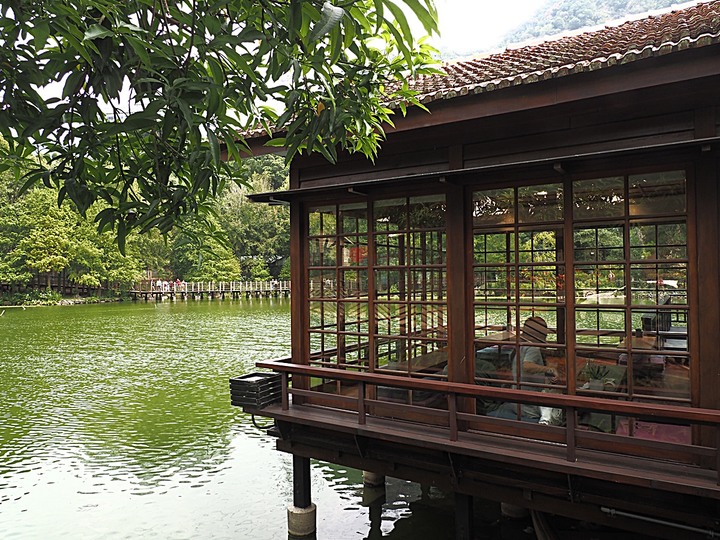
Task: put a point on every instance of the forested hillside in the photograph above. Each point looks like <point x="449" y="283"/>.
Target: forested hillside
<point x="559" y="16"/>
<point x="41" y="243"/>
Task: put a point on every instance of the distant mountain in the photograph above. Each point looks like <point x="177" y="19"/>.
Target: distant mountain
<point x="559" y="16"/>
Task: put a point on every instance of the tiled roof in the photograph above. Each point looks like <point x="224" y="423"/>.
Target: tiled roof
<point x="693" y="26"/>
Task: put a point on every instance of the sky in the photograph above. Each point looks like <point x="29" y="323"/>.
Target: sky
<point x="471" y="25"/>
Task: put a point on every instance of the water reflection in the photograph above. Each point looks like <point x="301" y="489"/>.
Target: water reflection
<point x="103" y="406"/>
<point x="115" y="423"/>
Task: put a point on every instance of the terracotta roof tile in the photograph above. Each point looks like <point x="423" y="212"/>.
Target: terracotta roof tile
<point x="694" y="26"/>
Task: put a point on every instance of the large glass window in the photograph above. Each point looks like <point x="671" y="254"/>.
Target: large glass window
<point x="338" y="286"/>
<point x="631" y="286"/>
<point x="400" y="325"/>
<point x="617" y="325"/>
<point x="579" y="286"/>
<point x="519" y="293"/>
<point x="410" y="284"/>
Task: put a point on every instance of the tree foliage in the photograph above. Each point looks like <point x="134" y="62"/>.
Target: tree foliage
<point x="257" y="231"/>
<point x="38" y="237"/>
<point x="150" y="95"/>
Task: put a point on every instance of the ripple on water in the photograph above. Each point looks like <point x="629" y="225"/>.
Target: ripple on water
<point x="127" y="393"/>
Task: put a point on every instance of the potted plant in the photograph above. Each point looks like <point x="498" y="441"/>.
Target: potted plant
<point x="596" y="375"/>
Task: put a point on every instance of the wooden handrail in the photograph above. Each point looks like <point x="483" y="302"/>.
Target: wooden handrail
<point x="570" y="403"/>
<point x="708" y="417"/>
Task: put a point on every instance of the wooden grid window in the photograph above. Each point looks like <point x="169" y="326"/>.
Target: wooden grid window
<point x="519" y="292"/>
<point x="631" y="286"/>
<point x="410" y="305"/>
<point x="401" y="324"/>
<point x="619" y="326"/>
<point x="337" y="281"/>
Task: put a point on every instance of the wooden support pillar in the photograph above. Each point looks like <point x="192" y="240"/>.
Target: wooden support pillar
<point x="301" y="482"/>
<point x="464" y="524"/>
<point x="301" y="514"/>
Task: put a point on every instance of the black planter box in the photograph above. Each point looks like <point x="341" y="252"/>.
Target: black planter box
<point x="255" y="390"/>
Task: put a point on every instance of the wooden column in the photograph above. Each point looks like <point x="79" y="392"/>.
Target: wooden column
<point x="464" y="523"/>
<point x="705" y="320"/>
<point x="301" y="482"/>
<point x="302" y="513"/>
<point x="461" y="361"/>
<point x="298" y="298"/>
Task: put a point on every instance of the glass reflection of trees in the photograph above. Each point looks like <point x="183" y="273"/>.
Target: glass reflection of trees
<point x="401" y="253"/>
<point x="631" y="282"/>
<point x="629" y="277"/>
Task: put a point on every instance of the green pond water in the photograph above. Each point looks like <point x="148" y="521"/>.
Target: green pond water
<point x="116" y="423"/>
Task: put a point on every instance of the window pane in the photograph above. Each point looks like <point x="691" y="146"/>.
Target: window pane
<point x="495" y="323"/>
<point x="494" y="284"/>
<point x="390" y="284"/>
<point x="321" y="220"/>
<point x="322" y="251"/>
<point x="429" y="321"/>
<point x="390" y="215"/>
<point x="427" y="212"/>
<point x="672" y="241"/>
<point x="658" y="241"/>
<point x="600" y="284"/>
<point x="599" y="243"/>
<point x="599" y="327"/>
<point x="323" y="315"/>
<point x="353" y="218"/>
<point x="354" y="283"/>
<point x="494" y="207"/>
<point x="427" y="247"/>
<point x="353" y="317"/>
<point x="540" y="246"/>
<point x="540" y="203"/>
<point x="657" y="193"/>
<point x="493" y="248"/>
<point x="599" y="198"/>
<point x="658" y="283"/>
<point x="354" y="250"/>
<point x="390" y="249"/>
<point x="541" y="284"/>
<point x="321" y="283"/>
<point x="392" y="319"/>
<point x="429" y="284"/>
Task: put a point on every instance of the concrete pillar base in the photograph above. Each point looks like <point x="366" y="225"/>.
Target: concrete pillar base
<point x="513" y="511"/>
<point x="301" y="521"/>
<point x="372" y="479"/>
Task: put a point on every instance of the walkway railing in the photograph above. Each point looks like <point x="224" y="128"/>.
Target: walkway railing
<point x="200" y="289"/>
<point x="571" y="436"/>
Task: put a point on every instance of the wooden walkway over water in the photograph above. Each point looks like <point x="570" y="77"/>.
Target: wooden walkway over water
<point x="159" y="290"/>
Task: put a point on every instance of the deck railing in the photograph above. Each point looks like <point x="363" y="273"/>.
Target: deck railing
<point x="570" y="434"/>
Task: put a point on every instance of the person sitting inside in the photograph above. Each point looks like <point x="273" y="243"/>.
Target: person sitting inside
<point x="533" y="369"/>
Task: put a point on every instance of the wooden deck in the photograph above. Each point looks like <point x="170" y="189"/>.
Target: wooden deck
<point x="535" y="474"/>
<point x="570" y="470"/>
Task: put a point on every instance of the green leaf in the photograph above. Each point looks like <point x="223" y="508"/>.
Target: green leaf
<point x="96" y="31"/>
<point x="216" y="71"/>
<point x="40" y="33"/>
<point x="140" y="48"/>
<point x="427" y="17"/>
<point x="276" y="142"/>
<point x="72" y="84"/>
<point x="380" y="14"/>
<point x="330" y="17"/>
<point x="214" y="146"/>
<point x="401" y="20"/>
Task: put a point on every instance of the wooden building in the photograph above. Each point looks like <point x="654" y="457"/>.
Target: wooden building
<point x="520" y="298"/>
